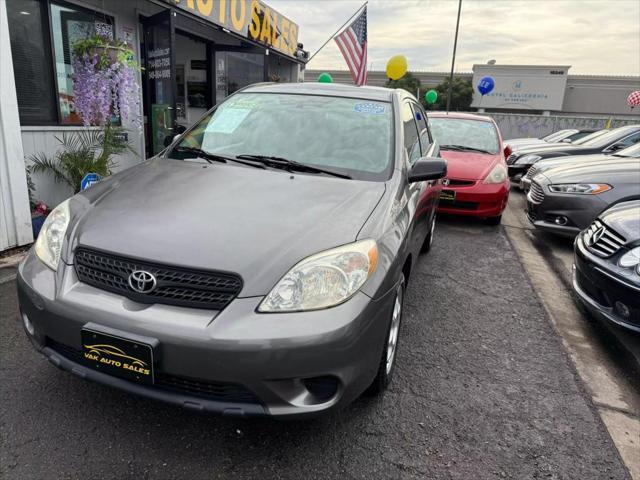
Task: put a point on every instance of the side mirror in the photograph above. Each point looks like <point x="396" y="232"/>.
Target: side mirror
<point x="566" y="140"/>
<point x="428" y="168"/>
<point x="175" y="137"/>
<point x="614" y="148"/>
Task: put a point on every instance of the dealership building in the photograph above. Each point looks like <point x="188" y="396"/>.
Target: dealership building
<point x="193" y="52"/>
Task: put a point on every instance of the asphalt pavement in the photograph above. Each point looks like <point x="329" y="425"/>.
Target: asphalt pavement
<point x="483" y="389"/>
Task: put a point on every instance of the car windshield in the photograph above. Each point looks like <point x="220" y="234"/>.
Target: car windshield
<point x="587" y="138"/>
<point x="345" y="135"/>
<point x="632" y="151"/>
<point x="556" y="136"/>
<point x="460" y="132"/>
<point x="608" y="137"/>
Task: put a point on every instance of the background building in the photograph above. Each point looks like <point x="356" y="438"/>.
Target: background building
<point x="581" y="95"/>
<point x="193" y="55"/>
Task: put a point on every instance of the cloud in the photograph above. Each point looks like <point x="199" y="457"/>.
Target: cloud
<point x="593" y="36"/>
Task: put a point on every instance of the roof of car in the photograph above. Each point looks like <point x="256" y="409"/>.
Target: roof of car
<point x="379" y="94"/>
<point x="467" y="116"/>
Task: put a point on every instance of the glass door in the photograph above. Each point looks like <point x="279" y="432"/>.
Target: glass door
<point x="160" y="73"/>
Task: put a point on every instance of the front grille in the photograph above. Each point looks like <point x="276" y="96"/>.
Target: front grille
<point x="461" y="183"/>
<point x="531" y="172"/>
<point x="221" y="392"/>
<point x="216" y="391"/>
<point x="175" y="285"/>
<point x="602" y="240"/>
<point x="536" y="194"/>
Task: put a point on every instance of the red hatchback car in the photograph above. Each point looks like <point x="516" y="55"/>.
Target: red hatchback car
<point x="477" y="172"/>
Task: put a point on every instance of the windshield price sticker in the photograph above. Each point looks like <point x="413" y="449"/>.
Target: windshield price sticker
<point x="227" y="120"/>
<point x="369" y="107"/>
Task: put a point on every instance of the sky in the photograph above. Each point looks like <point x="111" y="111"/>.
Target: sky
<point x="600" y="37"/>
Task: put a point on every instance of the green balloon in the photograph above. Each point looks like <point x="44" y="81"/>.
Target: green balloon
<point x="325" y="78"/>
<point x="431" y="96"/>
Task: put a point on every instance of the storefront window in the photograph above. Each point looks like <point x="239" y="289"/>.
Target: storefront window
<point x="243" y="69"/>
<point x="279" y="69"/>
<point x="69" y="25"/>
<point x="31" y="61"/>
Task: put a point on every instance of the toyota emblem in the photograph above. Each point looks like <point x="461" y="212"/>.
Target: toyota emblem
<point x="142" y="281"/>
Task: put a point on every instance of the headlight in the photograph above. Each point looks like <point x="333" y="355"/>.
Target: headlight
<point x="527" y="159"/>
<point x="631" y="259"/>
<point x="498" y="175"/>
<point x="580" y="188"/>
<point x="49" y="243"/>
<point x="324" y="279"/>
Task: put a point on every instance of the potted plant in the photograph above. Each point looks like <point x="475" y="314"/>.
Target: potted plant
<point x="82" y="152"/>
<point x="104" y="75"/>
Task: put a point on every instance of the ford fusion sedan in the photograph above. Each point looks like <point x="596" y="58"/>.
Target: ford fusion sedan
<point x="477" y="180"/>
<point x="606" y="270"/>
<point x="544" y="165"/>
<point x="610" y="142"/>
<point x="568" y="135"/>
<point x="256" y="267"/>
<point x="566" y="199"/>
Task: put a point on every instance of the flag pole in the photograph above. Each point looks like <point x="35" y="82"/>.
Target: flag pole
<point x="453" y="59"/>
<point x="336" y="32"/>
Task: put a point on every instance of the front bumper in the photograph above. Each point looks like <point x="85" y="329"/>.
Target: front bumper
<point x="602" y="290"/>
<point x="517" y="171"/>
<point x="234" y="362"/>
<point x="478" y="199"/>
<point x="563" y="214"/>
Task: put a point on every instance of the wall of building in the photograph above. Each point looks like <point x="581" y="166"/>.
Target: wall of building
<point x="41" y="139"/>
<point x="15" y="215"/>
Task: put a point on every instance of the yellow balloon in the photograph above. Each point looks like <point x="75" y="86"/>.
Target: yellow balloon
<point x="396" y="67"/>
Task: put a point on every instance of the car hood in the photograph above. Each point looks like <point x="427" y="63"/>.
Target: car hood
<point x="551" y="147"/>
<point x="571" y="160"/>
<point x="612" y="172"/>
<point x="256" y="223"/>
<point x="623" y="218"/>
<point x="469" y="165"/>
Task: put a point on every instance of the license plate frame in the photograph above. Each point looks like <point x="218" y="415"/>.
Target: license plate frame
<point x="448" y="195"/>
<point x="118" y="356"/>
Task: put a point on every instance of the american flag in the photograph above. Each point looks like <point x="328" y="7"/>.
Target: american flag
<point x="352" y="42"/>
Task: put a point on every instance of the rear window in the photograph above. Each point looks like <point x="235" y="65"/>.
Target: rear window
<point x="461" y="132"/>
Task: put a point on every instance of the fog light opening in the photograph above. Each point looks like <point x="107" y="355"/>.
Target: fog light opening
<point x="322" y="388"/>
<point x="28" y="325"/>
<point x="622" y="309"/>
<point x="560" y="220"/>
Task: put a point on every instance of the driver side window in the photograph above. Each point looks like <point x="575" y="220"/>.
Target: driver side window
<point x="411" y="135"/>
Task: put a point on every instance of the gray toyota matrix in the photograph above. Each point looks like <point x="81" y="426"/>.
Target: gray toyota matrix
<point x="255" y="267"/>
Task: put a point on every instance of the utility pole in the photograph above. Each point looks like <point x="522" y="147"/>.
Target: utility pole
<point x="453" y="59"/>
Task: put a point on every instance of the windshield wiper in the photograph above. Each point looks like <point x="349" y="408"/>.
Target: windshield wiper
<point x="214" y="157"/>
<point x="464" y="148"/>
<point x="280" y="162"/>
<point x="209" y="157"/>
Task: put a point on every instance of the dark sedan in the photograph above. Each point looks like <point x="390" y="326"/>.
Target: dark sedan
<point x="565" y="200"/>
<point x="612" y="141"/>
<point x="606" y="271"/>
<point x="549" y="163"/>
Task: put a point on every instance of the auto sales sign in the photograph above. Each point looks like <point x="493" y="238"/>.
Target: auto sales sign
<point x="251" y="19"/>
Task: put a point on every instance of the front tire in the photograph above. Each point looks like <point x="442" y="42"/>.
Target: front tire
<point x="386" y="367"/>
<point x="428" y="241"/>
<point x="494" y="220"/>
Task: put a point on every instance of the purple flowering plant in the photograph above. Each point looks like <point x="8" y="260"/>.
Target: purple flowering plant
<point x="104" y="75"/>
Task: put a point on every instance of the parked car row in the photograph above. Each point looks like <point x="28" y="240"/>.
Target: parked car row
<point x="568" y="135"/>
<point x="591" y="191"/>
